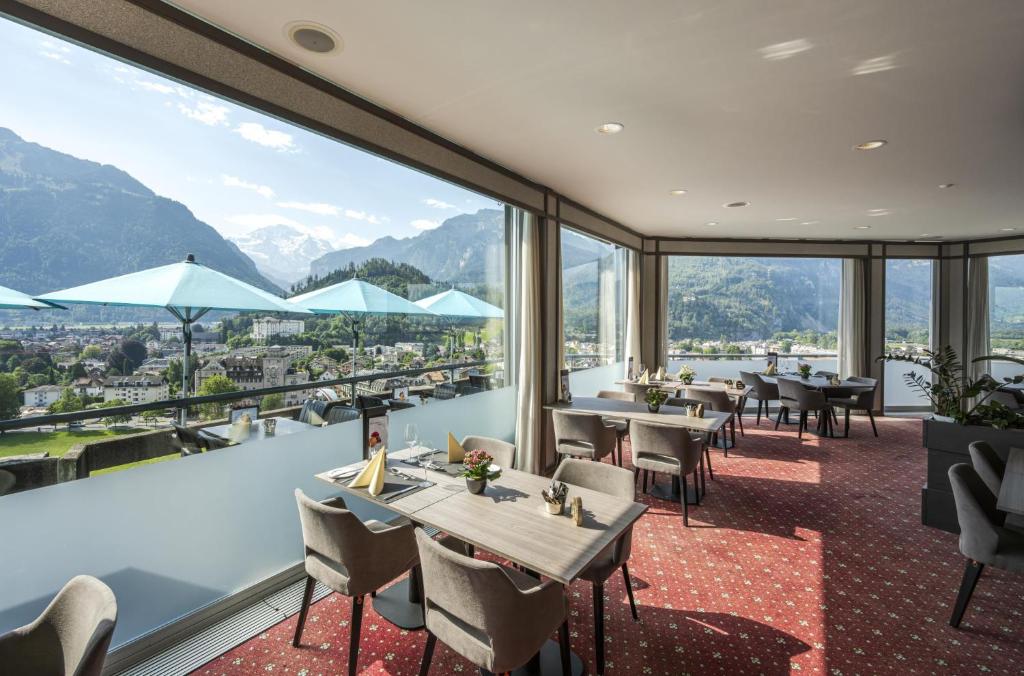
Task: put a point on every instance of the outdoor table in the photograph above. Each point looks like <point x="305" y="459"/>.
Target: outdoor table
<point x="510" y="520"/>
<point x="283" y="427"/>
<point x="1011" y="492"/>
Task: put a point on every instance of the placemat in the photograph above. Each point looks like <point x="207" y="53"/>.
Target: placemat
<point x="440" y="464"/>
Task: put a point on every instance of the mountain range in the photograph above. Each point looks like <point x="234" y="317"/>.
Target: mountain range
<point x="282" y="253"/>
<point x="68" y="221"/>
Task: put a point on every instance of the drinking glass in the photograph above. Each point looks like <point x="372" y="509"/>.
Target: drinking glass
<point x="412" y="436"/>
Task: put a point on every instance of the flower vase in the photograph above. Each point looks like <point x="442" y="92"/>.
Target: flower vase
<point x="476" y="486"/>
<point x="653" y="408"/>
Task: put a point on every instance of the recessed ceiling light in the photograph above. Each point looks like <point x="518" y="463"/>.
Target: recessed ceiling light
<point x="878" y="212"/>
<point x="677" y="191"/>
<point x="946" y="185"/>
<point x="1007" y="229"/>
<point x="610" y="128"/>
<point x="871" y="145"/>
<point x="314" y="37"/>
<point x="809" y="222"/>
<point x="788" y="218"/>
<point x="862" y="227"/>
<point x="711" y="223"/>
<point x="733" y="205"/>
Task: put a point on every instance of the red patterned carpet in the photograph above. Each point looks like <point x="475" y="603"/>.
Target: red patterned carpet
<point x="805" y="557"/>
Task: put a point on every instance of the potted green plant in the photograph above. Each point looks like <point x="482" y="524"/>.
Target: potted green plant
<point x="476" y="467"/>
<point x="686" y="374"/>
<point x="804" y="369"/>
<point x="655" y="398"/>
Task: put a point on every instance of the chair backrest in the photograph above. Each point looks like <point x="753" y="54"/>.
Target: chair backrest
<point x="399" y="404"/>
<point x="615" y="394"/>
<point x="987" y="463"/>
<point x="1007" y="399"/>
<point x="865" y="398"/>
<point x="667" y="440"/>
<point x="191" y="441"/>
<point x="585" y="427"/>
<point x="681" y="402"/>
<point x="805" y="397"/>
<point x="7" y="481"/>
<point x="826" y="374"/>
<point x="762" y="388"/>
<point x="71" y="636"/>
<point x="339" y="414"/>
<point x="638" y="391"/>
<point x="597" y="476"/>
<point x="481" y="381"/>
<point x="976" y="512"/>
<point x="717" y="379"/>
<point x="716" y="400"/>
<point x="466" y="390"/>
<point x="444" y="391"/>
<point x="503" y="452"/>
<point x="365" y="401"/>
<point x="336" y="534"/>
<point x="312" y="406"/>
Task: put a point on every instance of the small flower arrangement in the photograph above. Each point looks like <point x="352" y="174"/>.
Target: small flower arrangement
<point x="655" y="398"/>
<point x="804" y="370"/>
<point x="477" y="466"/>
<point x="686" y="374"/>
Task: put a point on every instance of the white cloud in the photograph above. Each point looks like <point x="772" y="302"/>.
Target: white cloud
<point x="257" y="133"/>
<point x="438" y="204"/>
<point x="56" y="56"/>
<point x="207" y="113"/>
<point x="235" y="182"/>
<point x="424" y="224"/>
<point x="320" y="208"/>
<point x="51" y="46"/>
<point x="349" y="240"/>
<point x="246" y="223"/>
<point x="158" y="87"/>
<point x="363" y="216"/>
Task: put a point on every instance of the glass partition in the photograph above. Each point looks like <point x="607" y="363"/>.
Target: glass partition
<point x="908" y="327"/>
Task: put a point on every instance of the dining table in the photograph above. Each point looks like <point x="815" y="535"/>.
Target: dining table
<point x="508" y="519"/>
<point x="709" y="425"/>
<point x="239" y="433"/>
<point x="845" y="388"/>
<point x="1011" y="492"/>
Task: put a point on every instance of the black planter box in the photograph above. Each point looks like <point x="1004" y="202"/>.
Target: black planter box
<point x="947" y="445"/>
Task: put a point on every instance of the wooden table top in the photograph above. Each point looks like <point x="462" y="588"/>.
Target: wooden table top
<point x="820" y="382"/>
<point x="1011" y="493"/>
<point x="509" y="519"/>
<point x="673" y="385"/>
<point x="668" y="415"/>
<point x="284" y="427"/>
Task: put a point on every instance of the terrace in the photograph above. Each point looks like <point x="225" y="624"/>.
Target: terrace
<point x="585" y="290"/>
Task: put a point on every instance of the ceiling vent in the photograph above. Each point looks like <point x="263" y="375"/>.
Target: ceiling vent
<point x="314" y="37"/>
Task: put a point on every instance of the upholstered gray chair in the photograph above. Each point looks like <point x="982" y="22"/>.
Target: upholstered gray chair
<point x="339" y="414"/>
<point x="351" y="557"/>
<point x="706" y="461"/>
<point x="1007" y="399"/>
<point x="503" y="452"/>
<point x="793" y="396"/>
<point x="720" y="401"/>
<point x="763" y="391"/>
<point x="638" y="391"/>
<point x="70" y="637"/>
<point x="670" y="449"/>
<point x="311" y="406"/>
<point x="495" y="617"/>
<point x="582" y="435"/>
<point x="983" y="540"/>
<point x="621" y="483"/>
<point x="861" y="400"/>
<point x="620" y="425"/>
<point x="7" y="481"/>
<point x="987" y="463"/>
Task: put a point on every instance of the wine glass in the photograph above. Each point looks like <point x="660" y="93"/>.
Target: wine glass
<point x="412" y="436"/>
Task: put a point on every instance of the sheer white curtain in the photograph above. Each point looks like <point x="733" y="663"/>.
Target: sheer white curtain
<point x="977" y="344"/>
<point x="852" y="319"/>
<point x="632" y="346"/>
<point x="529" y="402"/>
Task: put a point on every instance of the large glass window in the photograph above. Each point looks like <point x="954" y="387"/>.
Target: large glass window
<point x="908" y="323"/>
<point x="726" y="313"/>
<point x="106" y="169"/>
<point x="1006" y="310"/>
<point x="593" y="310"/>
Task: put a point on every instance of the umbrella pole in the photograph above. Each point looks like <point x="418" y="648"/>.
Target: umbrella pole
<point x="186" y="329"/>
<point x="355" y="346"/>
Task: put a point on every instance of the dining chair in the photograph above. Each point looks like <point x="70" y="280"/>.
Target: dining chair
<point x="495" y="617"/>
<point x="860" y="400"/>
<point x="190" y="440"/>
<point x="670" y="449"/>
<point x="638" y="391"/>
<point x="582" y="435"/>
<point x="620" y="425"/>
<point x="762" y="391"/>
<point x="503" y="452"/>
<point x="720" y="401"/>
<point x="987" y="463"/>
<point x="620" y="483"/>
<point x="71" y="636"/>
<point x="445" y="391"/>
<point x="983" y="540"/>
<point x="826" y="374"/>
<point x="352" y="557"/>
<point x="1007" y="399"/>
<point x="7" y="481"/>
<point x="794" y="396"/>
<point x="311" y="406"/>
<point x="339" y="414"/>
<point x="706" y="458"/>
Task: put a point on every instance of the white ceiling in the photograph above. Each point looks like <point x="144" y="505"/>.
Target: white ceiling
<point x="525" y="83"/>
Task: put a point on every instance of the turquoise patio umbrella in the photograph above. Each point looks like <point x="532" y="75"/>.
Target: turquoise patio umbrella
<point x="456" y="304"/>
<point x="187" y="290"/>
<point x="16" y="300"/>
<point x="355" y="299"/>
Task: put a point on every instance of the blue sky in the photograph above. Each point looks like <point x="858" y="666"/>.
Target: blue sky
<point x="236" y="169"/>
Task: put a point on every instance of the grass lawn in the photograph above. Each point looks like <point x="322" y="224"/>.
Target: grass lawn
<point x="57" y="443"/>
<point x="140" y="463"/>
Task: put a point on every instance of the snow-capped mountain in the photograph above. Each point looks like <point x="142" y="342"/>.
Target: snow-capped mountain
<point x="281" y="252"/>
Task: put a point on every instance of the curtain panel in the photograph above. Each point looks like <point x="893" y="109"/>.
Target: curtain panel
<point x="632" y="346"/>
<point x="977" y="343"/>
<point x="529" y="402"/>
<point x="853" y="318"/>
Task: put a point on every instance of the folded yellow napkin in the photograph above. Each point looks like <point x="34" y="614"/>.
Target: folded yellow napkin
<point x="315" y="419"/>
<point x="770" y="371"/>
<point x="455" y="450"/>
<point x="238" y="431"/>
<point x="660" y="375"/>
<point x="372" y="476"/>
<point x="644" y="378"/>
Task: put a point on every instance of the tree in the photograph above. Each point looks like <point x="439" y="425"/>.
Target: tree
<point x="216" y="384"/>
<point x="10" y="404"/>
<point x="77" y="370"/>
<point x="272" y="402"/>
<point x="91" y="352"/>
<point x="69" y="402"/>
<point x="150" y="416"/>
<point x="118" y="419"/>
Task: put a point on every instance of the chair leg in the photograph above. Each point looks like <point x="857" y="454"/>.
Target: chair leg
<point x="428" y="654"/>
<point x="778" y="420"/>
<point x="645" y="481"/>
<point x="696" y="488"/>
<point x="618" y="448"/>
<point x="759" y="402"/>
<point x="801" y="424"/>
<point x="707" y="455"/>
<point x="732" y="429"/>
<point x="563" y="648"/>
<point x="629" y="591"/>
<point x="872" y="417"/>
<point x="846" y="422"/>
<point x="682" y="499"/>
<point x="636" y="475"/>
<point x="353" y="639"/>
<point x="599" y="627"/>
<point x="307" y="598"/>
<point x="971" y="574"/>
<point x="739" y="419"/>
